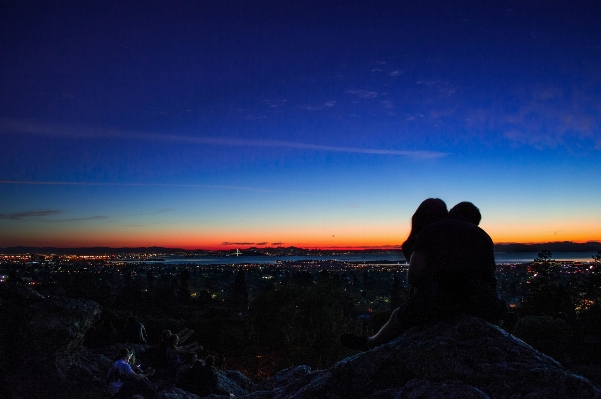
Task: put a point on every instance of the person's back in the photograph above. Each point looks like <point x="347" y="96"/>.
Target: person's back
<point x="454" y="273"/>
<point x="134" y="331"/>
<point x="453" y="250"/>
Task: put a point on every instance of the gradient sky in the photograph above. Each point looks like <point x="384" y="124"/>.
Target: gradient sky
<point x="224" y="124"/>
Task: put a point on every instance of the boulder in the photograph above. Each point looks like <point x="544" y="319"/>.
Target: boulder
<point x="43" y="340"/>
<point x="465" y="358"/>
<point x="176" y="393"/>
<point x="234" y="382"/>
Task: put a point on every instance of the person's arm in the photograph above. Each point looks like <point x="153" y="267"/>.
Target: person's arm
<point x="181" y="349"/>
<point x="193" y="346"/>
<point x="140" y="376"/>
<point x="186" y="334"/>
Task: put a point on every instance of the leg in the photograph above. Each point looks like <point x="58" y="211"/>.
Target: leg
<point x="388" y="332"/>
<point x="133" y="387"/>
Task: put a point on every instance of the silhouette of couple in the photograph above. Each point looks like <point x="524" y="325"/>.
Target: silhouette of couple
<point x="451" y="272"/>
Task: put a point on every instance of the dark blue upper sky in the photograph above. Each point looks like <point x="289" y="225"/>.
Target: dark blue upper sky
<point x="453" y="99"/>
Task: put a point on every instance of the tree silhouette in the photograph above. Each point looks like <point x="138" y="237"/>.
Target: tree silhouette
<point x="240" y="292"/>
<point x="184" y="285"/>
<point x="395" y="293"/>
<point x="597" y="258"/>
<point x="549" y="294"/>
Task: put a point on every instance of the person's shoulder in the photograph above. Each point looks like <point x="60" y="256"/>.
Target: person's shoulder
<point x="123" y="366"/>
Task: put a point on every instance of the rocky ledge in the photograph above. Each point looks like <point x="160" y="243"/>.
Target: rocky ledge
<point x="466" y="358"/>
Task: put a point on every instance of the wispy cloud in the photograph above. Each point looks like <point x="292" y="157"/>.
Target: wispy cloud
<point x="363" y="93"/>
<point x="82" y="219"/>
<point x="440" y="85"/>
<point x="160" y="211"/>
<point x="29" y="214"/>
<point x="237" y="243"/>
<point x="43" y="214"/>
<point x="548" y="117"/>
<point x="75" y="183"/>
<point x="29" y="127"/>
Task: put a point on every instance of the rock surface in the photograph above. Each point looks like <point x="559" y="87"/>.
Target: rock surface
<point x="41" y="356"/>
<point x="41" y="340"/>
<point x="467" y="358"/>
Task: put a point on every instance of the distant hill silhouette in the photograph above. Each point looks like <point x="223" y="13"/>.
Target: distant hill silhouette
<point x="88" y="250"/>
<point x="564" y="246"/>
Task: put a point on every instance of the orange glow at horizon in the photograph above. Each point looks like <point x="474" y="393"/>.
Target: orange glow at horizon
<point x="192" y="244"/>
<point x="338" y="237"/>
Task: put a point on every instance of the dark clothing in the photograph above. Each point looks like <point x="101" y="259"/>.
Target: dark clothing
<point x="454" y="251"/>
<point x="456" y="275"/>
<point x="435" y="303"/>
<point x="201" y="380"/>
<point x="134" y="332"/>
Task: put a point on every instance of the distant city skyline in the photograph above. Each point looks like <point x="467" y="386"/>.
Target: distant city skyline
<point x="217" y="125"/>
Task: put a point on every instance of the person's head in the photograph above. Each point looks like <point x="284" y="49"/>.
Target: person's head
<point x="165" y="335"/>
<point x="125" y="354"/>
<point x="210" y="361"/>
<point x="429" y="211"/>
<point x="467" y="212"/>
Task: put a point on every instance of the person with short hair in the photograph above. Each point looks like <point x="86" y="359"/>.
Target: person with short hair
<point x="467" y="212"/>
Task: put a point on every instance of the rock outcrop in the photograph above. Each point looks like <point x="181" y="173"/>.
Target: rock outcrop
<point x="467" y="358"/>
<point x="41" y="356"/>
<point x="41" y="341"/>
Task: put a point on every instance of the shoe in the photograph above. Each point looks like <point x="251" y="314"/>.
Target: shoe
<point x="353" y="341"/>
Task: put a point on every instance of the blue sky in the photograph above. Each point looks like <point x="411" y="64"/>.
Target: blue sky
<point x="215" y="124"/>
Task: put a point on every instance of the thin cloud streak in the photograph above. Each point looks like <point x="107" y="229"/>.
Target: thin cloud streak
<point x="74" y="183"/>
<point x="44" y="213"/>
<point x="29" y="214"/>
<point x="83" y="219"/>
<point x="29" y="127"/>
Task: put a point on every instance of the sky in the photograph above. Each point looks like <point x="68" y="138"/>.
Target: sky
<point x="230" y="124"/>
